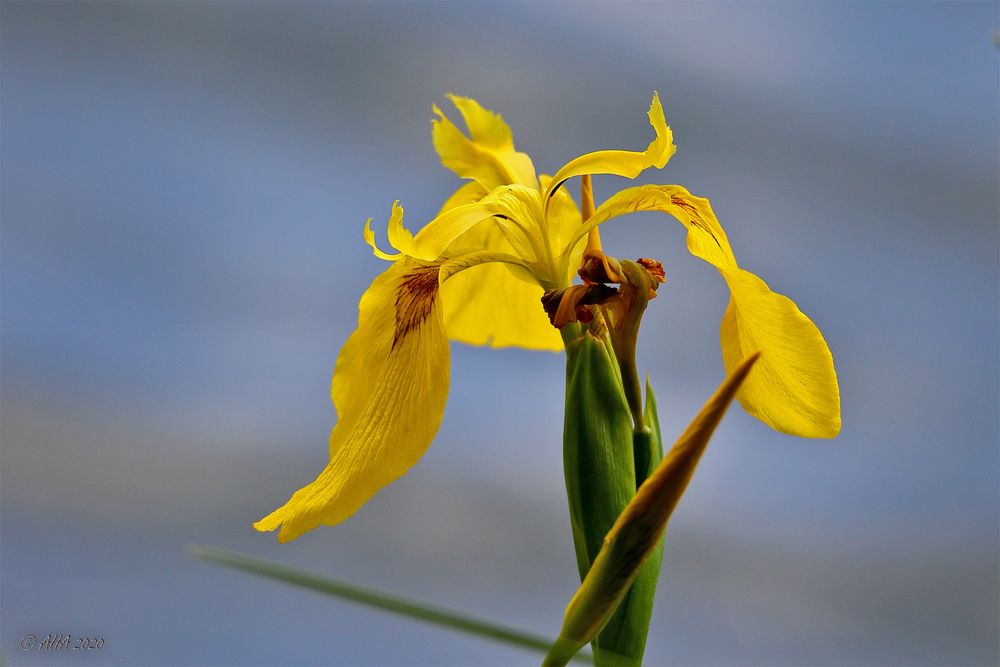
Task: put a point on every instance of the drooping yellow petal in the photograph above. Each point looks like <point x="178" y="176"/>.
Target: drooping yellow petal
<point x="390" y="387"/>
<point x="624" y="163"/>
<point x="488" y="156"/>
<point x="794" y="387"/>
<point x="488" y="304"/>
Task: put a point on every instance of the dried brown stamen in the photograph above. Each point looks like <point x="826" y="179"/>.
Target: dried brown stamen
<point x="597" y="267"/>
<point x="654" y="268"/>
<point x="573" y="303"/>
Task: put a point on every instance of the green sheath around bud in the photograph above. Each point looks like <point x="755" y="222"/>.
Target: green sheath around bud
<point x="638" y="532"/>
<point x="597" y="443"/>
<point x="623" y="639"/>
<point x="605" y="460"/>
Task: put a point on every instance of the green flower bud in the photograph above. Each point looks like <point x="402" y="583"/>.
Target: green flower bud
<point x="605" y="459"/>
<point x="623" y="639"/>
<point x="597" y="442"/>
<point x="637" y="534"/>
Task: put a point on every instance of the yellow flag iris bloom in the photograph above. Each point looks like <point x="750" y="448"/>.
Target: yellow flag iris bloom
<point x="476" y="273"/>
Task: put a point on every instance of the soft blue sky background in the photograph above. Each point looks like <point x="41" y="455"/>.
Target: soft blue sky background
<point x="183" y="188"/>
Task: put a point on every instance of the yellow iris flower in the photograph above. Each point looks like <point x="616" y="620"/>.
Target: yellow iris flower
<point x="476" y="273"/>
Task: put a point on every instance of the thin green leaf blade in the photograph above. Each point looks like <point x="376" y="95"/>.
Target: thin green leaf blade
<point x="377" y="599"/>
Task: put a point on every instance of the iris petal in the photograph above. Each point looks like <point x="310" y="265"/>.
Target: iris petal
<point x="390" y="387"/>
<point x="624" y="163"/>
<point x="488" y="157"/>
<point x="461" y="213"/>
<point x="793" y="388"/>
<point x="489" y="304"/>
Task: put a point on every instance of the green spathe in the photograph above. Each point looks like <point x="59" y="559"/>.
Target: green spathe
<point x="597" y="443"/>
<point x="638" y="532"/>
<point x="625" y="634"/>
<point x="605" y="459"/>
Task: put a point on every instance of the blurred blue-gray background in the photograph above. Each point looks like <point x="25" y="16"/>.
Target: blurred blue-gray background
<point x="183" y="189"/>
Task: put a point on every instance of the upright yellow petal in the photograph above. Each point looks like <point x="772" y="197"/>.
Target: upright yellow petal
<point x="517" y="211"/>
<point x="489" y="156"/>
<point x="497" y="303"/>
<point x="390" y="387"/>
<point x="469" y="193"/>
<point x="794" y="387"/>
<point x="624" y="163"/>
<point x="489" y="305"/>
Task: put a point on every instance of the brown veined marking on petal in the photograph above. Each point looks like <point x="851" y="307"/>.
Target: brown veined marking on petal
<point x="695" y="217"/>
<point x="415" y="299"/>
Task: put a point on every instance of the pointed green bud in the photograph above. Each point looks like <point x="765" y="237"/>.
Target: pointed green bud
<point x="639" y="529"/>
